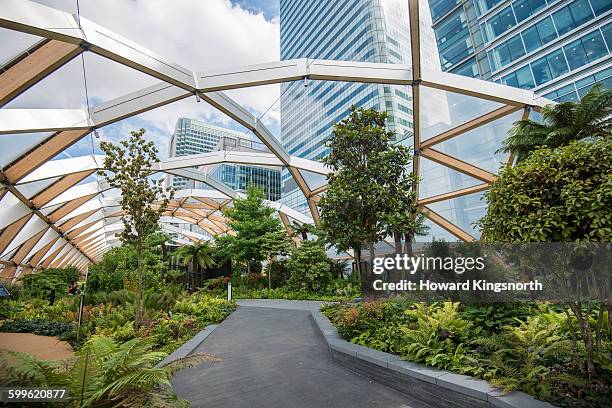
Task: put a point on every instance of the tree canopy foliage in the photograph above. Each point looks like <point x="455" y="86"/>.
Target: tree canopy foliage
<point x="252" y="221"/>
<point x="562" y="194"/>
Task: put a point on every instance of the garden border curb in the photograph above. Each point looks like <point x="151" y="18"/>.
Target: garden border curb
<point x="438" y="388"/>
<point x="189" y="346"/>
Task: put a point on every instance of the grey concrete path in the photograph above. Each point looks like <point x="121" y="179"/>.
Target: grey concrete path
<point x="273" y="358"/>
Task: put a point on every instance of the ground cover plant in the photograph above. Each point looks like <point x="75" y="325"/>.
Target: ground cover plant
<point x="121" y="356"/>
<point x="526" y="347"/>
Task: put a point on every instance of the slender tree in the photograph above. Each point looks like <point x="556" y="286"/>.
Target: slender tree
<point x="251" y="220"/>
<point x="274" y="243"/>
<point x="199" y="255"/>
<point x="369" y="179"/>
<point x="142" y="200"/>
<point x="563" y="123"/>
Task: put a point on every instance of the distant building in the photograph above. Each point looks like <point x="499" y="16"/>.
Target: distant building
<point x="239" y="176"/>
<point x="193" y="137"/>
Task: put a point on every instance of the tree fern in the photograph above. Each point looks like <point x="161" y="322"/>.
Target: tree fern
<point x="563" y="123"/>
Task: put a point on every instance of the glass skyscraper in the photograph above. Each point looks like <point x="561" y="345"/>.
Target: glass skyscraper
<point x="557" y="48"/>
<point x="348" y="30"/>
<point x="193" y="137"/>
<point x="239" y="176"/>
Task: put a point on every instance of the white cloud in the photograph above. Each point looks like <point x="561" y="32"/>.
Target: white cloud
<point x="198" y="34"/>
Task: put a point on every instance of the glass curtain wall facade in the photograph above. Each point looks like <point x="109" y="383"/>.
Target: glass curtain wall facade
<point x="193" y="137"/>
<point x="348" y="30"/>
<point x="557" y="48"/>
<point x="240" y="176"/>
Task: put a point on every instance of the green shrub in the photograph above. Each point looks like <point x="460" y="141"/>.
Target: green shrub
<point x="309" y="268"/>
<point x="41" y="327"/>
<point x="40" y="284"/>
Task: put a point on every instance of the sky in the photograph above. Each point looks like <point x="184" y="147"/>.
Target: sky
<point x="198" y="34"/>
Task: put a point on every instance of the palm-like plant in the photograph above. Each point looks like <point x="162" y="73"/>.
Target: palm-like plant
<point x="104" y="373"/>
<point x="125" y="375"/>
<point x="199" y="255"/>
<point x="563" y="123"/>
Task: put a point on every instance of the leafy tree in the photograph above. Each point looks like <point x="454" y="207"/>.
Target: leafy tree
<point x="554" y="195"/>
<point x="563" y="123"/>
<point x="251" y="220"/>
<point x="274" y="243"/>
<point x="199" y="255"/>
<point x="309" y="267"/>
<point x="370" y="189"/>
<point x="130" y="166"/>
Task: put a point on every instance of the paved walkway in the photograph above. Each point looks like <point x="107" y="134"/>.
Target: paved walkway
<point x="272" y="357"/>
<point x="42" y="347"/>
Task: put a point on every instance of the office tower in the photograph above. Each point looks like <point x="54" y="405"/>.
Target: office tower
<point x="557" y="48"/>
<point x="355" y="30"/>
<point x="193" y="137"/>
<point x="240" y="176"/>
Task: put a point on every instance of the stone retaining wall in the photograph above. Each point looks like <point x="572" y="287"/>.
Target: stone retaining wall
<point x="437" y="388"/>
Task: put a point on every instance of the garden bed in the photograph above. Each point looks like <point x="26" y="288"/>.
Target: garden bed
<point x="513" y="347"/>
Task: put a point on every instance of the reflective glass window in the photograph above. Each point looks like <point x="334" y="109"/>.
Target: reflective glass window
<point x="607" y="33"/>
<point x="510" y="80"/>
<point x="524" y="78"/>
<point x="494" y="27"/>
<point x="501" y="55"/>
<point x="576" y="56"/>
<point x="441" y="7"/>
<point x="541" y="72"/>
<point x="568" y="97"/>
<point x="468" y="69"/>
<point x="506" y="17"/>
<point x="563" y="20"/>
<point x="515" y="47"/>
<point x="581" y="12"/>
<point x="601" y="6"/>
<point x="521" y="10"/>
<point x="546" y="30"/>
<point x="537" y="5"/>
<point x="594" y="46"/>
<point x="557" y="63"/>
<point x="531" y="39"/>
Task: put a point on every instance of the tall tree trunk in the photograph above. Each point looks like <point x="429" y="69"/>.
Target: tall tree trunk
<point x="269" y="275"/>
<point x="357" y="252"/>
<point x="137" y="305"/>
<point x="370" y="276"/>
<point x="408" y="244"/>
<point x="397" y="237"/>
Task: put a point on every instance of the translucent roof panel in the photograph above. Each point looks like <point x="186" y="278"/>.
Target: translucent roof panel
<point x="463" y="211"/>
<point x="442" y="110"/>
<point x="29" y="190"/>
<point x="65" y="84"/>
<point x="13" y="146"/>
<point x="437" y="179"/>
<point x="314" y="180"/>
<point x="479" y="146"/>
<point x="13" y="43"/>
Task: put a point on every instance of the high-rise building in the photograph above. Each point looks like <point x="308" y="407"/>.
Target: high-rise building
<point x="349" y="30"/>
<point x="193" y="137"/>
<point x="558" y="48"/>
<point x="240" y="176"/>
